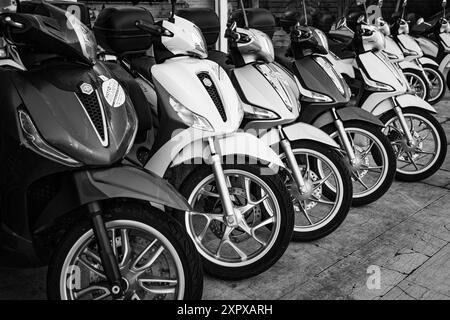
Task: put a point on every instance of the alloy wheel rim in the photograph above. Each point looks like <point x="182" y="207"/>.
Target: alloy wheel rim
<point x="437" y="84"/>
<point x="363" y="147"/>
<point x="259" y="218"/>
<point x="306" y="220"/>
<point x="417" y="84"/>
<point x="410" y="156"/>
<point x="149" y="264"/>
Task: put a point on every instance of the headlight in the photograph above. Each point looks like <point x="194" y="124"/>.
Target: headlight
<point x="375" y="85"/>
<point x="35" y="142"/>
<point x="198" y="40"/>
<point x="190" y="118"/>
<point x="254" y="112"/>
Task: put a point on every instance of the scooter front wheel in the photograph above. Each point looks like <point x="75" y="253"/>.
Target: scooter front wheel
<point x="437" y="80"/>
<point x="317" y="212"/>
<point x="156" y="258"/>
<point x="264" y="213"/>
<point x="374" y="166"/>
<point x="418" y="83"/>
<point x="422" y="158"/>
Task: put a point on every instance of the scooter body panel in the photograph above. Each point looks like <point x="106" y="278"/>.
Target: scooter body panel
<point x="425" y="60"/>
<point x="394" y="49"/>
<point x="240" y="144"/>
<point x="405" y="64"/>
<point x="429" y="47"/>
<point x="408" y="42"/>
<point x="258" y="89"/>
<point x="189" y="90"/>
<point x="403" y="101"/>
<point x="347" y="114"/>
<point x="297" y="132"/>
<point x="376" y="69"/>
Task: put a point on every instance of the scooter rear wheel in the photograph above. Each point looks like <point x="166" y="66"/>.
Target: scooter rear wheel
<point x="156" y="258"/>
<point x="264" y="204"/>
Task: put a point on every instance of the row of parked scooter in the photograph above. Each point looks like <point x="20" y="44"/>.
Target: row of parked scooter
<point x="260" y="146"/>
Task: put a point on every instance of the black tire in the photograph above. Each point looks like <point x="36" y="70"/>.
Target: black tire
<point x="421" y="81"/>
<point x="388" y="154"/>
<point x="279" y="246"/>
<point x="160" y="221"/>
<point x="347" y="190"/>
<point x="440" y="135"/>
<point x="434" y="71"/>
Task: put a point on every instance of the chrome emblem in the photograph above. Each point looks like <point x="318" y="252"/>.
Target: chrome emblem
<point x="207" y="82"/>
<point x="86" y="88"/>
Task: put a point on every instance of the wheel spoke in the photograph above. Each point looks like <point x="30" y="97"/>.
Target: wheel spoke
<point x="150" y="261"/>
<point x="319" y="183"/>
<point x="238" y="251"/>
<point x="305" y="213"/>
<point x="321" y="201"/>
<point x="88" y="252"/>
<point x="411" y="159"/>
<point x="91" y="268"/>
<point x="113" y="242"/>
<point x="358" y="178"/>
<point x="208" y="193"/>
<point x="156" y="286"/>
<point x="93" y="288"/>
<point x="126" y="249"/>
<point x="366" y="152"/>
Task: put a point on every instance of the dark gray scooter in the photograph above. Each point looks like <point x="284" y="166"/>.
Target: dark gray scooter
<point x="67" y="199"/>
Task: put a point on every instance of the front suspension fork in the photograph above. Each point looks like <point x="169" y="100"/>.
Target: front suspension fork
<point x="348" y="147"/>
<point x="401" y="117"/>
<point x="107" y="256"/>
<point x="292" y="162"/>
<point x="222" y="184"/>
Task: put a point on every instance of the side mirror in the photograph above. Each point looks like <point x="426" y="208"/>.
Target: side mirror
<point x="420" y="21"/>
<point x="360" y="19"/>
<point x="444" y="3"/>
<point x="405" y="3"/>
<point x="380" y="3"/>
<point x="361" y="2"/>
<point x="233" y="26"/>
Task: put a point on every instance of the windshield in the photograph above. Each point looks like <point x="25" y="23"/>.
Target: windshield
<point x="53" y="30"/>
<point x="84" y="36"/>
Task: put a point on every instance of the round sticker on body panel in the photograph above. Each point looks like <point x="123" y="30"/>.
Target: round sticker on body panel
<point x="113" y="93"/>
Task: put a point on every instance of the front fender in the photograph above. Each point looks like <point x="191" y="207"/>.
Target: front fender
<point x="128" y="182"/>
<point x="404" y="101"/>
<point x="103" y="184"/>
<point x="410" y="65"/>
<point x="425" y="60"/>
<point x="299" y="131"/>
<point x="240" y="143"/>
<point x="348" y="114"/>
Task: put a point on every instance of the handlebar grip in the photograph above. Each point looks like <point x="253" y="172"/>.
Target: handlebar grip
<point x="153" y="29"/>
<point x="12" y="23"/>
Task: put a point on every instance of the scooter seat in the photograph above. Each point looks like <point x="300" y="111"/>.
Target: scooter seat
<point x="284" y="57"/>
<point x="222" y="60"/>
<point x="143" y="65"/>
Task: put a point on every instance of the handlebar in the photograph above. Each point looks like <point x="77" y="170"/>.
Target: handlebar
<point x="153" y="29"/>
<point x="11" y="23"/>
<point x="236" y="36"/>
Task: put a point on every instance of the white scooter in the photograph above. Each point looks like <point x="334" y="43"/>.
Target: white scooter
<point x="422" y="72"/>
<point x="381" y="88"/>
<point x="243" y="219"/>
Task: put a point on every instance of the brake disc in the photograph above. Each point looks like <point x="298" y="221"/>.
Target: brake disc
<point x="317" y="193"/>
